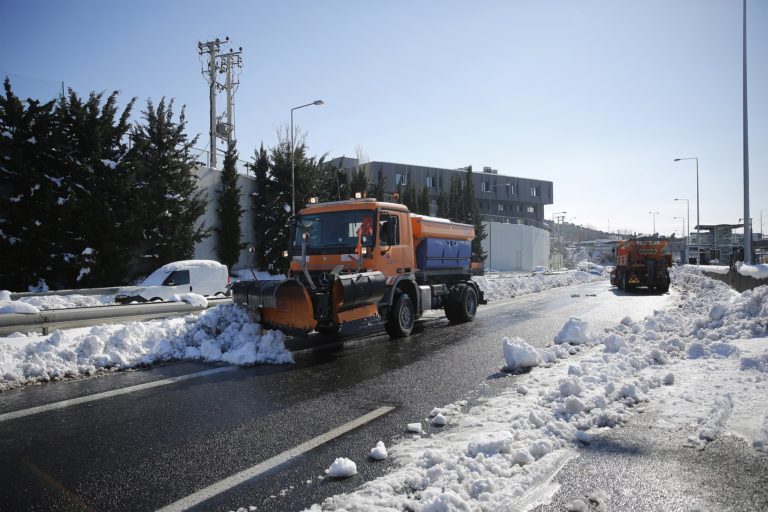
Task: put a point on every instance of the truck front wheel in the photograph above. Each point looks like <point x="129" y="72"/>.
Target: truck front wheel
<point x="464" y="309"/>
<point x="401" y="317"/>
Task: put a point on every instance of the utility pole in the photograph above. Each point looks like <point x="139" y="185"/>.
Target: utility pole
<point x="231" y="60"/>
<point x="211" y="48"/>
<point x="220" y="63"/>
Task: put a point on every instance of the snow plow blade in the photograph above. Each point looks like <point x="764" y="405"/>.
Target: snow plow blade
<point x="284" y="305"/>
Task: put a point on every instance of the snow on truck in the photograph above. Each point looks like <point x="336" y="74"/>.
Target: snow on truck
<point x="642" y="262"/>
<point x="362" y="261"/>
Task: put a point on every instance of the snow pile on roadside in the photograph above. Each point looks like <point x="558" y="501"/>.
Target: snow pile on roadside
<point x="504" y="287"/>
<point x="46" y="302"/>
<point x="194" y="299"/>
<point x="502" y="453"/>
<point x="221" y="334"/>
<point x="18" y="307"/>
<point x="757" y="271"/>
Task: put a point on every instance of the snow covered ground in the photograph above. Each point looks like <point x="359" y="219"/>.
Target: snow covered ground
<point x="504" y="286"/>
<point x="221" y="334"/>
<point x="701" y="362"/>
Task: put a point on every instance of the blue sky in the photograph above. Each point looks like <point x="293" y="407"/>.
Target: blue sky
<point x="597" y="96"/>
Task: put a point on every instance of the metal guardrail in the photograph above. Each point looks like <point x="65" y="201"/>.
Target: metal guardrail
<point x="47" y="321"/>
<point x="81" y="291"/>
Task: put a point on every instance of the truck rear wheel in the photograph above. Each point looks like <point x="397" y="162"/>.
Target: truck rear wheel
<point x="401" y="317"/>
<point x="462" y="309"/>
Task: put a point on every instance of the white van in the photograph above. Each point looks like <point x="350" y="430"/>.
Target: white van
<point x="204" y="277"/>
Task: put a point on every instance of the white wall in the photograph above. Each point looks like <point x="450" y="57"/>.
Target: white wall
<point x="210" y="182"/>
<point x="515" y="246"/>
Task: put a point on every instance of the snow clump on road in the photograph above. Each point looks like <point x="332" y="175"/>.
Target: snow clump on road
<point x="505" y="449"/>
<point x="379" y="452"/>
<point x="221" y="334"/>
<point x="342" y="468"/>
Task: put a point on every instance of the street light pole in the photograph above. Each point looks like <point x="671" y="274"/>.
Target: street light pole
<point x="293" y="148"/>
<point x="688" y="231"/>
<point x="654" y="221"/>
<point x="698" y="220"/>
<point x="745" y="137"/>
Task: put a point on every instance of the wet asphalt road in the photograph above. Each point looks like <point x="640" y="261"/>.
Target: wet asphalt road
<point x="147" y="449"/>
<point x="643" y="467"/>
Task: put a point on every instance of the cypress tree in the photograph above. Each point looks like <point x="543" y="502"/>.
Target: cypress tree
<point x="263" y="206"/>
<point x="423" y="201"/>
<point x="167" y="201"/>
<point x="377" y="189"/>
<point x="472" y="216"/>
<point x="228" y="244"/>
<point x="29" y="185"/>
<point x="409" y="197"/>
<point x="96" y="231"/>
<point x="443" y="207"/>
<point x="360" y="181"/>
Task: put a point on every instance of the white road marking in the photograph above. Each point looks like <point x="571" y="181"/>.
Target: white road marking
<point x="254" y="471"/>
<point x="108" y="394"/>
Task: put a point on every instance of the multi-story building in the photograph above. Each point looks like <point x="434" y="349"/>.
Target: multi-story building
<point x="505" y="199"/>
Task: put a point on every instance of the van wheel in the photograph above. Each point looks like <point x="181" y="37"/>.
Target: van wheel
<point x="401" y="317"/>
<point x="463" y="308"/>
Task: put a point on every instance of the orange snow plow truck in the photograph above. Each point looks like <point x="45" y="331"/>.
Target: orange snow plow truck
<point x="641" y="262"/>
<point x="363" y="262"/>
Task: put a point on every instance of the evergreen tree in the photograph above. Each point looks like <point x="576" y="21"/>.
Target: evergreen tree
<point x="167" y="201"/>
<point x="377" y="189"/>
<point x="69" y="155"/>
<point x="443" y="207"/>
<point x="456" y="200"/>
<point x="332" y="183"/>
<point x="308" y="173"/>
<point x="229" y="244"/>
<point x="263" y="206"/>
<point x="28" y="191"/>
<point x="472" y="216"/>
<point x="96" y="186"/>
<point x="423" y="201"/>
<point x="360" y="182"/>
<point x="408" y="197"/>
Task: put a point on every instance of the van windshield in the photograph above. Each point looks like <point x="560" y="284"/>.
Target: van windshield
<point x="334" y="232"/>
<point x="156" y="278"/>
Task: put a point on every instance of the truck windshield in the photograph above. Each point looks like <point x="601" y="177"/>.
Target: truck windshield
<point x="334" y="232"/>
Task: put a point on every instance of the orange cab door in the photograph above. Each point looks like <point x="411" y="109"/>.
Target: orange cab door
<point x="389" y="250"/>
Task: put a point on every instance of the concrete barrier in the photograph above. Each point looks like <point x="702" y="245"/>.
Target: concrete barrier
<point x="737" y="281"/>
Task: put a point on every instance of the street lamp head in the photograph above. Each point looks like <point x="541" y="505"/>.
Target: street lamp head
<point x="677" y="159"/>
<point x="317" y="102"/>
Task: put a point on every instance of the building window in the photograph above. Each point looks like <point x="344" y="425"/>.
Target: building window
<point x="534" y="191"/>
<point x="510" y="189"/>
<point x="401" y="179"/>
<point x="485" y="186"/>
<point x="501" y="207"/>
<point x="429" y="182"/>
<point x="530" y="209"/>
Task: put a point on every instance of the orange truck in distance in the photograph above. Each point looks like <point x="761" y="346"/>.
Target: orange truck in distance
<point x="361" y="262"/>
<point x="642" y="262"/>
